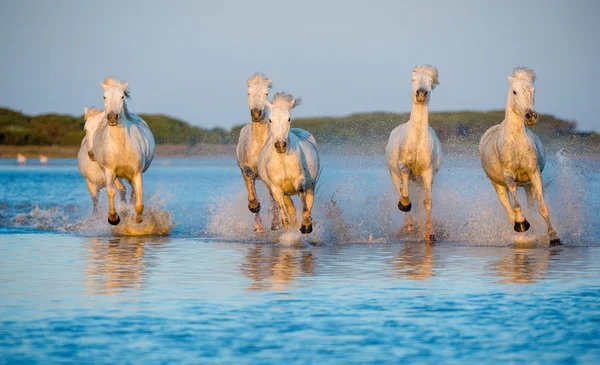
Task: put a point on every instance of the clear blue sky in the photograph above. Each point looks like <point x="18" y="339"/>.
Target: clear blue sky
<point x="190" y="59"/>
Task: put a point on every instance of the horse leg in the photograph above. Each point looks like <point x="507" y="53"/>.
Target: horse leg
<point x="253" y="203"/>
<point x="276" y="222"/>
<point x="530" y="198"/>
<point x="428" y="182"/>
<point x="307" y="197"/>
<point x="122" y="191"/>
<point x="404" y="204"/>
<point x="278" y="196"/>
<point x="521" y="224"/>
<point x="139" y="202"/>
<point x="93" y="189"/>
<point x="538" y="187"/>
<point x="502" y="192"/>
<point x="291" y="209"/>
<point x="113" y="217"/>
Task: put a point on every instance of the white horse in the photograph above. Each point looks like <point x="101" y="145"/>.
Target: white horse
<point x="289" y="163"/>
<point x="512" y="156"/>
<point x="89" y="168"/>
<point x="413" y="149"/>
<point x="123" y="146"/>
<point x="252" y="139"/>
<point x="21" y="159"/>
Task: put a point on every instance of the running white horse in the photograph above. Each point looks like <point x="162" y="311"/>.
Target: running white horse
<point x="512" y="156"/>
<point x="123" y="146"/>
<point x="413" y="149"/>
<point x="252" y="139"/>
<point x="289" y="163"/>
<point x="89" y="168"/>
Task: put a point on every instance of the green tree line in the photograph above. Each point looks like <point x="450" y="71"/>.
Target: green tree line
<point x="462" y="127"/>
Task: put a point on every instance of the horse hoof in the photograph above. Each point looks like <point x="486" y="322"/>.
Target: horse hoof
<point x="522" y="226"/>
<point x="114" y="222"/>
<point x="275" y="227"/>
<point x="254" y="209"/>
<point x="555" y="242"/>
<point x="430" y="237"/>
<point x="404" y="208"/>
<point x="306" y="228"/>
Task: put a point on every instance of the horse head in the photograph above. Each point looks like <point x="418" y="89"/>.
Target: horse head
<point x="424" y="79"/>
<point x="115" y="92"/>
<point x="280" y="118"/>
<point x="258" y="90"/>
<point x="521" y="97"/>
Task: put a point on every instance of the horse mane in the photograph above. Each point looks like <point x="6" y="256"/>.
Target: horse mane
<point x="286" y="100"/>
<point x="259" y="78"/>
<point x="524" y="73"/>
<point x="111" y="81"/>
<point x="430" y="70"/>
<point x="90" y="112"/>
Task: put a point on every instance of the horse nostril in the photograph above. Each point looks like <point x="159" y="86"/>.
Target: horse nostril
<point x="425" y="93"/>
<point x="528" y="115"/>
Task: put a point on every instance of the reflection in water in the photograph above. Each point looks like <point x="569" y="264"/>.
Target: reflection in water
<point x="523" y="266"/>
<point x="415" y="261"/>
<point x="273" y="267"/>
<point x="114" y="264"/>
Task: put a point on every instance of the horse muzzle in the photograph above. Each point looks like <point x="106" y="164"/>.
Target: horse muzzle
<point x="531" y="117"/>
<point x="421" y="95"/>
<point x="113" y="119"/>
<point x="281" y="147"/>
<point x="256" y="114"/>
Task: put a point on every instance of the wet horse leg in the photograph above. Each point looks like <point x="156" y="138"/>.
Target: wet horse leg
<point x="538" y="187"/>
<point x="253" y="203"/>
<point x="502" y="192"/>
<point x="427" y="183"/>
<point x="521" y="224"/>
<point x="113" y="217"/>
<point x="307" y="197"/>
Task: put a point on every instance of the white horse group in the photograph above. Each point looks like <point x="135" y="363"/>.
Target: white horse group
<point x="511" y="155"/>
<point x="284" y="158"/>
<point x="117" y="145"/>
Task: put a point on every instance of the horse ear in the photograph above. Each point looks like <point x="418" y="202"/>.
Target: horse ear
<point x="269" y="83"/>
<point x="511" y="80"/>
<point x="296" y="102"/>
<point x="124" y="86"/>
<point x="104" y="85"/>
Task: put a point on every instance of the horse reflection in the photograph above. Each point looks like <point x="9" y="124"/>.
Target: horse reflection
<point x="116" y="264"/>
<point x="415" y="262"/>
<point x="274" y="268"/>
<point x="523" y="266"/>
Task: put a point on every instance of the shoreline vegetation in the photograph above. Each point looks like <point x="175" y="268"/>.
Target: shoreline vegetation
<point x="59" y="136"/>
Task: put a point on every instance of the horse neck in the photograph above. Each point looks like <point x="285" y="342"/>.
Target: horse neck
<point x="513" y="122"/>
<point x="419" y="119"/>
<point x="260" y="130"/>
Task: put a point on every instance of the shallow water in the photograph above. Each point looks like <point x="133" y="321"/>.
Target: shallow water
<point x="213" y="291"/>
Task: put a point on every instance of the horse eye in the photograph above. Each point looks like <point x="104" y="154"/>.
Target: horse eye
<point x="289" y="119"/>
<point x="248" y="94"/>
<point x="123" y="97"/>
<point x="104" y="97"/>
<point x="269" y="120"/>
<point x="514" y="92"/>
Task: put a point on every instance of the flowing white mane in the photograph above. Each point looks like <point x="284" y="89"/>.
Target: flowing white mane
<point x="286" y="100"/>
<point x="430" y="70"/>
<point x="90" y="112"/>
<point x="111" y="81"/>
<point x="259" y="78"/>
<point x="524" y="73"/>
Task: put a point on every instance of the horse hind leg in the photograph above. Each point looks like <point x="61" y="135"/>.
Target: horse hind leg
<point x="530" y="197"/>
<point x="94" y="190"/>
<point x="122" y="190"/>
<point x="521" y="224"/>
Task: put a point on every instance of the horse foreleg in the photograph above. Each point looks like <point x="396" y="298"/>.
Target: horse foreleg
<point x="253" y="203"/>
<point x="502" y="192"/>
<point x="93" y="189"/>
<point x="427" y="183"/>
<point x="521" y="224"/>
<point x="404" y="205"/>
<point x="139" y="202"/>
<point x="113" y="217"/>
<point x="291" y="210"/>
<point x="122" y="191"/>
<point x="307" y="197"/>
<point x="538" y="187"/>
